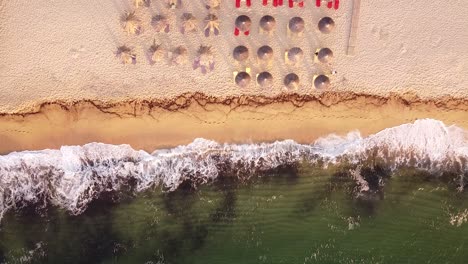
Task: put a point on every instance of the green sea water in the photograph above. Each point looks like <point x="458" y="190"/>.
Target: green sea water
<point x="308" y="215"/>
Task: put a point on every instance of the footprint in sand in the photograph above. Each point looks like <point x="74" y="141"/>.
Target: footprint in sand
<point x="382" y="33"/>
<point x="435" y="41"/>
<point x="403" y="49"/>
<point x="75" y="53"/>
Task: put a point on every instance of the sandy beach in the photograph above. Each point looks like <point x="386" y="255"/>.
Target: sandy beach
<point x="62" y="84"/>
<point x="162" y="124"/>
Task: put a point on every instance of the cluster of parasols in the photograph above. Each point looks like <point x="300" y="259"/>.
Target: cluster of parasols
<point x="204" y="60"/>
<point x="292" y="56"/>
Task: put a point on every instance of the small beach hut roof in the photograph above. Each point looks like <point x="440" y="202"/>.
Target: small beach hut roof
<point x="265" y="53"/>
<point x="243" y="23"/>
<point x="325" y="55"/>
<point x="242" y="79"/>
<point x="291" y="81"/>
<point x="295" y="55"/>
<point x="265" y="79"/>
<point x="322" y="82"/>
<point x="296" y="25"/>
<point x="326" y="25"/>
<point x="268" y="23"/>
<point x="240" y="53"/>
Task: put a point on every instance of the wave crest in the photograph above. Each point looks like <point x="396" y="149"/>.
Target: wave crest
<point x="73" y="176"/>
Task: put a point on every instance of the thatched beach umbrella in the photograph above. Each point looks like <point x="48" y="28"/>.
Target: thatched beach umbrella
<point x="295" y="55"/>
<point x="179" y="56"/>
<point x="325" y="55"/>
<point x="265" y="53"/>
<point x="204" y="59"/>
<point x="173" y="3"/>
<point x="322" y="82"/>
<point x="296" y="25"/>
<point x="243" y="79"/>
<point x="212" y="25"/>
<point x="130" y="23"/>
<point x="189" y="23"/>
<point x="326" y="25"/>
<point x="139" y="3"/>
<point x="240" y="53"/>
<point x="157" y="52"/>
<point x="265" y="79"/>
<point x="212" y="4"/>
<point x="126" y="55"/>
<point x="291" y="81"/>
<point x="160" y="23"/>
<point x="268" y="23"/>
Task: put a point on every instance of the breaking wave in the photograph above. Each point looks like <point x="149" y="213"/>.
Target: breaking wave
<point x="73" y="176"/>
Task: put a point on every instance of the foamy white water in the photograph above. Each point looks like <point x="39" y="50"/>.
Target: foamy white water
<point x="75" y="175"/>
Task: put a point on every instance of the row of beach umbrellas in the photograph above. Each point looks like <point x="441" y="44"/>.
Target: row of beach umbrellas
<point x="293" y="55"/>
<point x="267" y="23"/>
<point x="291" y="80"/>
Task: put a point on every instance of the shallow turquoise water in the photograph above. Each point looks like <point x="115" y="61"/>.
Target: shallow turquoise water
<point x="305" y="216"/>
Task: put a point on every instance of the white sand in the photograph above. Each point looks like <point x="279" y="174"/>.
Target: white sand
<point x="64" y="50"/>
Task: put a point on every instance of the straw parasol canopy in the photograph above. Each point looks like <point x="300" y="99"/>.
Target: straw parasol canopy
<point x="126" y="55"/>
<point x="243" y="79"/>
<point x="240" y="53"/>
<point x="204" y="59"/>
<point x="157" y="52"/>
<point x="212" y="4"/>
<point x="291" y="81"/>
<point x="139" y="3"/>
<point x="265" y="53"/>
<point x="130" y="23"/>
<point x="325" y="55"/>
<point x="268" y="23"/>
<point x="189" y="23"/>
<point x="322" y="82"/>
<point x="295" y="55"/>
<point x="296" y="25"/>
<point x="160" y="23"/>
<point x="326" y="25"/>
<point x="180" y="55"/>
<point x="243" y="23"/>
<point x="265" y="79"/>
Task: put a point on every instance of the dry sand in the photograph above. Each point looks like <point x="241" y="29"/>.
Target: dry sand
<point x="64" y="50"/>
<point x="158" y="124"/>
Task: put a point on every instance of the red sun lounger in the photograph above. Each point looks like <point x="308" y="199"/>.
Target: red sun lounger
<point x="277" y="3"/>
<point x="291" y="4"/>
<point x="318" y="3"/>
<point x="247" y="2"/>
<point x="337" y="4"/>
<point x="237" y="32"/>
<point x="330" y="4"/>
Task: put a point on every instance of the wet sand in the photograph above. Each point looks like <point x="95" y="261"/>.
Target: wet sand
<point x="160" y="124"/>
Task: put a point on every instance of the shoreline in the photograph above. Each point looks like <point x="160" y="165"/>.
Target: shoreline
<point x="151" y="125"/>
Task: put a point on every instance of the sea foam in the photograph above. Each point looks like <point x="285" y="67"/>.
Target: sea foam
<point x="73" y="176"/>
